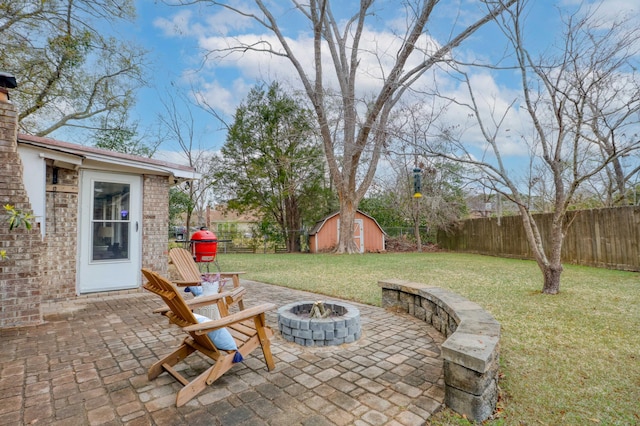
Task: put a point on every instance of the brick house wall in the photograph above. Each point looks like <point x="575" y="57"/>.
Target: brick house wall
<point x="61" y="240"/>
<point x="155" y="223"/>
<point x="20" y="273"/>
<point x="59" y="263"/>
<point x="44" y="268"/>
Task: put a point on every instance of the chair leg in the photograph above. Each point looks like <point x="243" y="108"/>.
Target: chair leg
<point x="209" y="376"/>
<point x="172" y="359"/>
<point x="265" y="343"/>
<point x="266" y="351"/>
<point x="236" y="284"/>
<point x="192" y="389"/>
<point x="221" y="366"/>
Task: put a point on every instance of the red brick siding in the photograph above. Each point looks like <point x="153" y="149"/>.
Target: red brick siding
<point x="155" y="223"/>
<point x="60" y="258"/>
<point x="20" y="274"/>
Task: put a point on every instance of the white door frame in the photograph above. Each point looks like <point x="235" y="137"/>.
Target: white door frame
<point x="111" y="258"/>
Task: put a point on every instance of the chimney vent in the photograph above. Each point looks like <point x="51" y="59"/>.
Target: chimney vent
<point x="7" y="81"/>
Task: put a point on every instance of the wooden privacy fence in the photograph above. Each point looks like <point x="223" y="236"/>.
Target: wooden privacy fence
<point x="607" y="238"/>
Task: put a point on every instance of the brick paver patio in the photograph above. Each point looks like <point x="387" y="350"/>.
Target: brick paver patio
<point x="87" y="366"/>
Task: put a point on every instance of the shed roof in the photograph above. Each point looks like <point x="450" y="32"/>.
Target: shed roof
<point x="75" y="155"/>
<point x="319" y="224"/>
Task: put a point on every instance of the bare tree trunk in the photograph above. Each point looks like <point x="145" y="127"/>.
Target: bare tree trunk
<point x="551" y="279"/>
<point x="550" y="266"/>
<point x="346" y="244"/>
<point x="553" y="269"/>
<point x="620" y="183"/>
<point x="293" y="224"/>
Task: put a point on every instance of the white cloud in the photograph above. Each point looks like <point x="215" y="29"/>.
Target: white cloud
<point x="179" y="157"/>
<point x="175" y="157"/>
<point x="223" y="99"/>
<point x="608" y="10"/>
<point x="178" y="25"/>
<point x="197" y="22"/>
<point x="226" y="21"/>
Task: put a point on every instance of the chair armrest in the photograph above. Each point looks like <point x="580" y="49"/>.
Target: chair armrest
<point x="186" y="283"/>
<point x="229" y="296"/>
<point x="200" y="301"/>
<point x="182" y="283"/>
<point x="205" y="327"/>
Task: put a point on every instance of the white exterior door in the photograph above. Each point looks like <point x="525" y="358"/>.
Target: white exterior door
<point x="358" y="234"/>
<point x="109" y="232"/>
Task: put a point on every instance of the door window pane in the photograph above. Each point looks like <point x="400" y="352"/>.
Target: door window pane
<point x="110" y="221"/>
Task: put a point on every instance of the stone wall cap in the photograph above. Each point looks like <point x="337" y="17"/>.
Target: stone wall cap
<point x="473" y="351"/>
<point x="476" y="316"/>
<point x="404" y="285"/>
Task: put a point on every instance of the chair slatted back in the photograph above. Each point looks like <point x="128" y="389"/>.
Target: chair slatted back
<point x="186" y="266"/>
<point x="179" y="314"/>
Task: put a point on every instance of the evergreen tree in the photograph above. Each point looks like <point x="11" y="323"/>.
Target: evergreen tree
<point x="272" y="161"/>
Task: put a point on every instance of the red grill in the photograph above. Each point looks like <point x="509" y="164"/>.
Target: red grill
<point x="204" y="245"/>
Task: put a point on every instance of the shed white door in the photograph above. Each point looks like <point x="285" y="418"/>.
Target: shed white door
<point x="358" y="234"/>
<point x="109" y="232"/>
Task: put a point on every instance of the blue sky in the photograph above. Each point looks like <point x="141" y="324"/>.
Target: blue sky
<point x="177" y="38"/>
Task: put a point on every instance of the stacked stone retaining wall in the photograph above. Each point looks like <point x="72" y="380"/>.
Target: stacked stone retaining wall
<point x="471" y="351"/>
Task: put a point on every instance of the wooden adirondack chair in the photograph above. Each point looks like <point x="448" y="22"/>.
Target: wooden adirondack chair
<point x="247" y="327"/>
<point x="190" y="273"/>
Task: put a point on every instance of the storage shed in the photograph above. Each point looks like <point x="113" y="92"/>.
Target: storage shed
<point x="367" y="234"/>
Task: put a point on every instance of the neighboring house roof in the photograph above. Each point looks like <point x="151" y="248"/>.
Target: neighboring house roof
<point x="319" y="224"/>
<point x="74" y="155"/>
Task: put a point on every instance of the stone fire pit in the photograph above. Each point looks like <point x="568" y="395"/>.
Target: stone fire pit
<point x="341" y="326"/>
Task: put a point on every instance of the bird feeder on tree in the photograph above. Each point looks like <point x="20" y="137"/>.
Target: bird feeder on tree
<point x="417" y="184"/>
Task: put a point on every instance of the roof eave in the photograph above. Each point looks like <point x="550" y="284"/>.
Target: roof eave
<point x="88" y="155"/>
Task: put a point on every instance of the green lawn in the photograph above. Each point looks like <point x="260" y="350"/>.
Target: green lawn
<point x="573" y="358"/>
